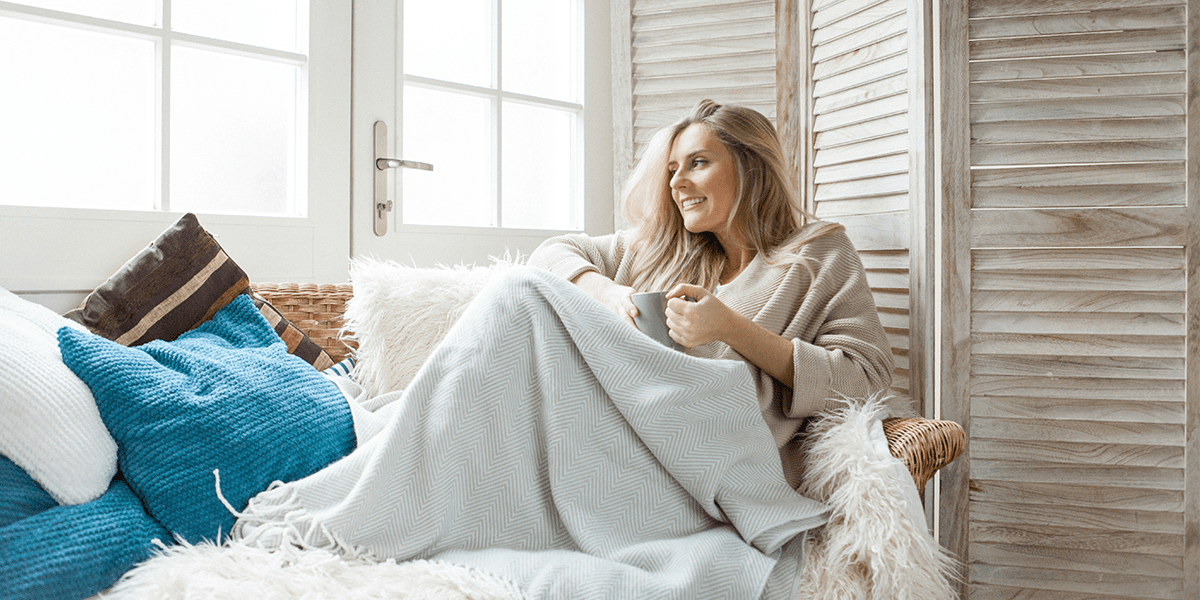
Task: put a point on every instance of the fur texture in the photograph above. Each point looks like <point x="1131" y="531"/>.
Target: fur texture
<point x="399" y="314"/>
<point x="237" y="571"/>
<point x="876" y="545"/>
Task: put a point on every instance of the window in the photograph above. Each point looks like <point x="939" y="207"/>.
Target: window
<point x="168" y="105"/>
<point x="492" y="97"/>
<point x="63" y="227"/>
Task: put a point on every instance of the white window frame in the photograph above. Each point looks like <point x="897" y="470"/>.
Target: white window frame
<point x="62" y="253"/>
<point x="497" y="96"/>
<point x="165" y="40"/>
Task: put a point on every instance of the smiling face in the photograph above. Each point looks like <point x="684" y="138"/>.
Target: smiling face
<point x="703" y="180"/>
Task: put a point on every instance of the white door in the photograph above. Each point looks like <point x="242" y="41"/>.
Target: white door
<point x="452" y="214"/>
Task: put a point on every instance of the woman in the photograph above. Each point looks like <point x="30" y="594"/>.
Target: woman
<point x="548" y="441"/>
<point x="717" y="219"/>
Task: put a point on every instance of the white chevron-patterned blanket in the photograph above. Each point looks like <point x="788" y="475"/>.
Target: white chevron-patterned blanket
<point x="548" y="443"/>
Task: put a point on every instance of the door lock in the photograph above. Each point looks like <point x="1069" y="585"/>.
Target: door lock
<point x="381" y="211"/>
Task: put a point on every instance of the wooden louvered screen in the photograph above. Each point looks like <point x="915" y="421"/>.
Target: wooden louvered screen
<point x="684" y="51"/>
<point x="851" y="137"/>
<point x="1078" y="377"/>
<point x="859" y="172"/>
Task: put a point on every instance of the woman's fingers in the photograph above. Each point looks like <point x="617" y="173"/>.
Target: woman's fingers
<point x="682" y="296"/>
<point x="627" y="310"/>
<point x="687" y="292"/>
<point x="694" y="316"/>
<point x="620" y="301"/>
<point x="627" y="304"/>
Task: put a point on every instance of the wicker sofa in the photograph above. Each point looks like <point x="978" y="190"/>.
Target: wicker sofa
<point x="923" y="445"/>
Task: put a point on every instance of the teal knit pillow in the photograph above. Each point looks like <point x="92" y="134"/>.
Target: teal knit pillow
<point x="20" y="495"/>
<point x="225" y="396"/>
<point x="75" y="551"/>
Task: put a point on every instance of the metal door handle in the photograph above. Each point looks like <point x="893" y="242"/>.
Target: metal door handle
<point x="397" y="163"/>
<point x="383" y="206"/>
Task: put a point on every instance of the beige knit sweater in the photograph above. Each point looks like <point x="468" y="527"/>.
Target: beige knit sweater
<point x="840" y="348"/>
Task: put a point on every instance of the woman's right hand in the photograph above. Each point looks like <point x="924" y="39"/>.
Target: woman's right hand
<point x="616" y="297"/>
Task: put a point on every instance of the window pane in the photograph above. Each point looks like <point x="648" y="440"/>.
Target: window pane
<point x="138" y="12"/>
<point x="449" y="40"/>
<point x="539" y="43"/>
<point x="537" y="168"/>
<point x="453" y="132"/>
<point x="233" y="134"/>
<point x="77" y="118"/>
<point x="266" y="23"/>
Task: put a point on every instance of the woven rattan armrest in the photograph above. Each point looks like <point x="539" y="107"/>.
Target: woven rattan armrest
<point x="316" y="309"/>
<point x="923" y="445"/>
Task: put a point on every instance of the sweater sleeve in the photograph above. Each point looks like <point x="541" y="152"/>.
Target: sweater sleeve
<point x="571" y="255"/>
<point x="848" y="356"/>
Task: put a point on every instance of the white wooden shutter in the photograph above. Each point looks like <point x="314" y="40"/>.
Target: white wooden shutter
<point x="685" y="51"/>
<point x="1080" y="245"/>
<point x="859" y="174"/>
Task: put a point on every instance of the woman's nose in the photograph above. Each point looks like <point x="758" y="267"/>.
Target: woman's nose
<point x="678" y="180"/>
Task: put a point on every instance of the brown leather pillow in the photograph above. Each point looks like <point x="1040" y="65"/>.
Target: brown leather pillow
<point x="176" y="283"/>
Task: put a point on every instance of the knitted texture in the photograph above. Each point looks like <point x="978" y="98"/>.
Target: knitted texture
<point x="50" y="426"/>
<point x="20" y="495"/>
<point x="224" y="397"/>
<point x="73" y="552"/>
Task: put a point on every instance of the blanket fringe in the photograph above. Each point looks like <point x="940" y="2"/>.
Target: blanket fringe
<point x="217" y="484"/>
<point x="275" y="519"/>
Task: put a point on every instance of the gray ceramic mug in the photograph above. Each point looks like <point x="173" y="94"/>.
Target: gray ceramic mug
<point x="652" y="317"/>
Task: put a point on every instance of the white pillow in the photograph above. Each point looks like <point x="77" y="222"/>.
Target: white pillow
<point x="399" y="314"/>
<point x="50" y="425"/>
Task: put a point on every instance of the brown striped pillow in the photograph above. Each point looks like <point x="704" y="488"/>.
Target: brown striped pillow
<point x="176" y="283"/>
<point x="297" y="342"/>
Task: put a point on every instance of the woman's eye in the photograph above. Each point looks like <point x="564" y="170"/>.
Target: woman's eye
<point x="698" y="161"/>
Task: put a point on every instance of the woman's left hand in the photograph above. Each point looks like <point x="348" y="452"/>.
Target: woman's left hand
<point x="696" y="317"/>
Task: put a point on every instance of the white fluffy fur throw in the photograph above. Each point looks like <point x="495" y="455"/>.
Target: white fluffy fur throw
<point x="399" y="314"/>
<point x="237" y="571"/>
<point x="875" y="547"/>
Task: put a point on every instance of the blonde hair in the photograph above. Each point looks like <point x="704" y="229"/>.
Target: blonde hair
<point x="767" y="213"/>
